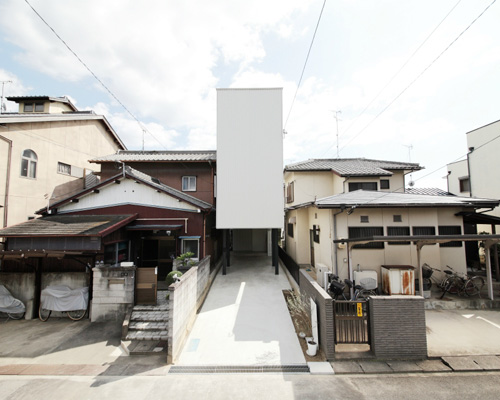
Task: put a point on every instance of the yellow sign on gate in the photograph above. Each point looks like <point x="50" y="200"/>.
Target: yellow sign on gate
<point x="360" y="309"/>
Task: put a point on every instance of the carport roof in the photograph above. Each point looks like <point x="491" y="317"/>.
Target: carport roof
<point x="69" y="225"/>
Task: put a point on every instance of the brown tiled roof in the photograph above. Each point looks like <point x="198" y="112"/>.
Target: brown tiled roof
<point x="68" y="225"/>
<point x="165" y="156"/>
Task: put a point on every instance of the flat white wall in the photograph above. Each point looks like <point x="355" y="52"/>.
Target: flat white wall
<point x="249" y="158"/>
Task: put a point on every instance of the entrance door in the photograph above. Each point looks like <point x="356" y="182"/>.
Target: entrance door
<point x="311" y="241"/>
<point x="158" y="252"/>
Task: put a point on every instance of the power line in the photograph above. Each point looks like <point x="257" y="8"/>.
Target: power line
<point x="143" y="128"/>
<point x="305" y="64"/>
<point x="418" y="76"/>
<point x="401" y="68"/>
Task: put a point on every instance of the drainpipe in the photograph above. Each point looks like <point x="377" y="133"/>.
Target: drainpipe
<point x="471" y="149"/>
<point x="335" y="247"/>
<point x="7" y="181"/>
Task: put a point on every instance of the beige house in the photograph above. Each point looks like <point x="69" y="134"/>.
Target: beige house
<point x="313" y="221"/>
<point x="479" y="174"/>
<point x="46" y="144"/>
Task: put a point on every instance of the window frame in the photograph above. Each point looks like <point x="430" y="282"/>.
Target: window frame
<point x="187" y="185"/>
<point x="458" y="231"/>
<point x="188" y="239"/>
<point x="366" y="231"/>
<point x="464" y="184"/>
<point x="353" y="186"/>
<point x="386" y="182"/>
<point x="66" y="166"/>
<point x="289" y="230"/>
<point x="431" y="228"/>
<point x="396" y="231"/>
<point x="29" y="164"/>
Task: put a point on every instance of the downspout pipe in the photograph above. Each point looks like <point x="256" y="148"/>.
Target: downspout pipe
<point x="335" y="247"/>
<point x="7" y="181"/>
<point x="471" y="149"/>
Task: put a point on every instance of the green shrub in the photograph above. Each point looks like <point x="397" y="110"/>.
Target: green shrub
<point x="170" y="277"/>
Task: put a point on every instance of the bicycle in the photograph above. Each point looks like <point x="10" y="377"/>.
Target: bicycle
<point x="62" y="298"/>
<point x="463" y="285"/>
<point x="336" y="288"/>
<point x="360" y="292"/>
<point x="9" y="305"/>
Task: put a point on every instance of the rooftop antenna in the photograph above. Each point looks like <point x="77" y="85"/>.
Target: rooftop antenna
<point x="3" y="108"/>
<point x="336" y="116"/>
<point x="143" y="134"/>
<point x="410" y="148"/>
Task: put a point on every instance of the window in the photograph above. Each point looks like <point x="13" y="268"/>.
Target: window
<point x="191" y="245"/>
<point x="450" y="230"/>
<point x="363" y="232"/>
<point x="189" y="183"/>
<point x="34" y="107"/>
<point x="424" y="231"/>
<point x="115" y="253"/>
<point x="290" y="230"/>
<point x="398" y="231"/>
<point x="464" y="184"/>
<point x="397" y="218"/>
<point x="290" y="192"/>
<point x="364" y="218"/>
<point x="384" y="184"/>
<point x="28" y="164"/>
<point x="362" y="185"/>
<point x="315" y="232"/>
<point x="64" y="168"/>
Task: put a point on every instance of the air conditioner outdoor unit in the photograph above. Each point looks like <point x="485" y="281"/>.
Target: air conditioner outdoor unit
<point x="320" y="273"/>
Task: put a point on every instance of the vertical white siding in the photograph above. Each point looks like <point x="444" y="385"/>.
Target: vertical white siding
<point x="249" y="159"/>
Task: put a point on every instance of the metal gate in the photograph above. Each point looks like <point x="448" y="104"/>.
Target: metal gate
<point x="351" y="322"/>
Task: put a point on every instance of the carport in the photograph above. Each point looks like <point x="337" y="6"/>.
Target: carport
<point x="420" y="241"/>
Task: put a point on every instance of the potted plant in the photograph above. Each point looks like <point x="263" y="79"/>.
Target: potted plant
<point x="312" y="348"/>
<point x="184" y="261"/>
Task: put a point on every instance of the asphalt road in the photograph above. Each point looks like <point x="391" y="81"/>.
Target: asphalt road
<point x="462" y="386"/>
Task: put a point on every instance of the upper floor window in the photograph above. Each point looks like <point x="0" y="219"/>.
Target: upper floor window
<point x="464" y="184"/>
<point x="28" y="164"/>
<point x="362" y="185"/>
<point x="189" y="183"/>
<point x="34" y="107"/>
<point x="384" y="184"/>
<point x="290" y="192"/>
<point x="64" y="168"/>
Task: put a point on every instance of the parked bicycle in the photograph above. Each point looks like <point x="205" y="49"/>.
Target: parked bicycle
<point x="337" y="289"/>
<point x="455" y="283"/>
<point x="9" y="305"/>
<point x="62" y="298"/>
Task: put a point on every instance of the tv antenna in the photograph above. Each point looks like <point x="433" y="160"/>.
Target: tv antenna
<point x="410" y="148"/>
<point x="3" y="108"/>
<point x="336" y="116"/>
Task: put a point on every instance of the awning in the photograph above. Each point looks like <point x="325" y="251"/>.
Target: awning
<point x="153" y="227"/>
<point x="476" y="218"/>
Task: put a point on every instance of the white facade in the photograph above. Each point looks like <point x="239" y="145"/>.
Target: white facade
<point x="249" y="159"/>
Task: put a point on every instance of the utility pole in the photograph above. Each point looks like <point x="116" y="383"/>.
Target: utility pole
<point x="336" y="116"/>
<point x="2" y="104"/>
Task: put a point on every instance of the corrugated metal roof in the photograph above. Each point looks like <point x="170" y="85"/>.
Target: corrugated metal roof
<point x="64" y="99"/>
<point x="353" y="166"/>
<point x="59" y="225"/>
<point x="367" y="198"/>
<point x="428" y="191"/>
<point x="137" y="155"/>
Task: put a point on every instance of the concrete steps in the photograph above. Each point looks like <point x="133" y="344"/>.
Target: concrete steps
<point x="145" y="331"/>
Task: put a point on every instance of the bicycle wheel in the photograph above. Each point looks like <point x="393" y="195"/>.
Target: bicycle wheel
<point x="364" y="294"/>
<point x="473" y="286"/>
<point x="76" y="315"/>
<point x="44" y="314"/>
<point x="16" y="315"/>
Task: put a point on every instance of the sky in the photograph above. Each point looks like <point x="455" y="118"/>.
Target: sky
<point x="387" y="79"/>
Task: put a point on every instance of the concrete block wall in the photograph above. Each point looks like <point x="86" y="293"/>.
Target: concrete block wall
<point x="22" y="287"/>
<point x="397" y="327"/>
<point x="324" y="303"/>
<point x="203" y="277"/>
<point x="113" y="292"/>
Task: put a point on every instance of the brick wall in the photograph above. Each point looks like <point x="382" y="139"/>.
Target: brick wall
<point x="324" y="305"/>
<point x="397" y="327"/>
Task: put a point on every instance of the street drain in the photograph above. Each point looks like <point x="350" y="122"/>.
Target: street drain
<point x="238" y="369"/>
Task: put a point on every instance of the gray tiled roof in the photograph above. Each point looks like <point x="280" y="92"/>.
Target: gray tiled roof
<point x="58" y="225"/>
<point x="353" y="166"/>
<point x="367" y="198"/>
<point x="429" y="191"/>
<point x="137" y="155"/>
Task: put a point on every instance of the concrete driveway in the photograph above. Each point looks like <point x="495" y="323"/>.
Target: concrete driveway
<point x="245" y="320"/>
<point x="462" y="332"/>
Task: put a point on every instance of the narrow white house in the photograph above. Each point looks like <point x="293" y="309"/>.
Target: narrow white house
<point x="250" y="207"/>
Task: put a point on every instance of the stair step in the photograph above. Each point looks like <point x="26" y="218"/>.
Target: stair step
<point x="149" y="316"/>
<point x="148" y="325"/>
<point x="147" y="335"/>
<point x="144" y="307"/>
<point x="144" y="347"/>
